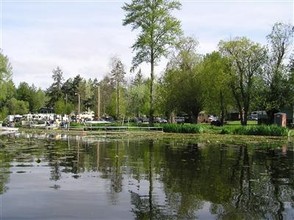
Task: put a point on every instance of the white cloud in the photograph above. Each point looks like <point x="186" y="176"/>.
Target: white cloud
<point x="37" y="49"/>
<point x="82" y="36"/>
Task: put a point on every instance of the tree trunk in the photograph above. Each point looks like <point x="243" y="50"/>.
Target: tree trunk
<point x="271" y="115"/>
<point x="222" y="105"/>
<point x="151" y="111"/>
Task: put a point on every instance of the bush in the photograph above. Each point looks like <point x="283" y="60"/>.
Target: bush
<point x="265" y="130"/>
<point x="76" y="125"/>
<point x="183" y="128"/>
<point x="227" y="130"/>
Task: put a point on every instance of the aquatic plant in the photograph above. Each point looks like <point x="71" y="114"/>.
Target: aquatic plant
<point x="183" y="128"/>
<point x="265" y="130"/>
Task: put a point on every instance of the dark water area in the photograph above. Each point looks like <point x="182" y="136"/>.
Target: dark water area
<point x="92" y="177"/>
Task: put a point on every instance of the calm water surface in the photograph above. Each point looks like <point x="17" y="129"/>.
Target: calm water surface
<point x="73" y="177"/>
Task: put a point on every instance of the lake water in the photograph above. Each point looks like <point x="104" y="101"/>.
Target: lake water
<point x="95" y="177"/>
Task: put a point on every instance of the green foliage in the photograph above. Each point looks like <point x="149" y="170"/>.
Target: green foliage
<point x="277" y="92"/>
<point x="54" y="91"/>
<point x="158" y="27"/>
<point x="264" y="130"/>
<point x="60" y="106"/>
<point x="138" y="99"/>
<point x="70" y="88"/>
<point x="118" y="77"/>
<point x="246" y="60"/>
<point x="183" y="128"/>
<point x="7" y="91"/>
<point x="241" y="75"/>
<point x="86" y="91"/>
<point x="226" y="130"/>
<point x="76" y="125"/>
<point x="158" y="31"/>
<point x="17" y="106"/>
<point x="3" y="112"/>
<point x="7" y="88"/>
<point x="215" y="78"/>
<point x="5" y="68"/>
<point x="35" y="97"/>
<point x="181" y="88"/>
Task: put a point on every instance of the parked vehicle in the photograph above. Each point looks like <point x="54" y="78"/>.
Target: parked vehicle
<point x="180" y="119"/>
<point x="255" y="115"/>
<point x="160" y="120"/>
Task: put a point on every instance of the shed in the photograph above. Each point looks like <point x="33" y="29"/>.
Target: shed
<point x="280" y="119"/>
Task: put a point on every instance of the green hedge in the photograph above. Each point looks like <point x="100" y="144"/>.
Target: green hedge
<point x="182" y="128"/>
<point x="264" y="130"/>
<point x="76" y="125"/>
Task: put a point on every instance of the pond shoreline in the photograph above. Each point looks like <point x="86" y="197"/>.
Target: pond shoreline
<point x="154" y="135"/>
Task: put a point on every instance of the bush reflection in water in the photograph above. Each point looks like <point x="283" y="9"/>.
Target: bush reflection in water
<point x="94" y="177"/>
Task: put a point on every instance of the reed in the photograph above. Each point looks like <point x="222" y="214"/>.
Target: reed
<point x="183" y="128"/>
<point x="264" y="130"/>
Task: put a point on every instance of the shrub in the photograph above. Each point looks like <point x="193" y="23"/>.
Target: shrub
<point x="226" y="130"/>
<point x="266" y="130"/>
<point x="76" y="124"/>
<point x="182" y="128"/>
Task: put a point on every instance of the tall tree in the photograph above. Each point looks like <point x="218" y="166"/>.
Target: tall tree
<point x="291" y="81"/>
<point x="106" y="90"/>
<point x="215" y="81"/>
<point x="86" y="94"/>
<point x="117" y="74"/>
<point x="35" y="97"/>
<point x="158" y="30"/>
<point x="17" y="106"/>
<point x="38" y="100"/>
<point x="276" y="75"/>
<point x="5" y="68"/>
<point x="181" y="85"/>
<point x="138" y="96"/>
<point x="7" y="88"/>
<point x="247" y="59"/>
<point x="70" y="90"/>
<point x="5" y="76"/>
<point x="54" y="91"/>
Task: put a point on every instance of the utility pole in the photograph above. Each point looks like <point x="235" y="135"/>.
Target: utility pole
<point x="79" y="103"/>
<point x="98" y="102"/>
<point x="117" y="99"/>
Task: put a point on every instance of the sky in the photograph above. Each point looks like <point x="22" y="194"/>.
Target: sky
<point x="81" y="36"/>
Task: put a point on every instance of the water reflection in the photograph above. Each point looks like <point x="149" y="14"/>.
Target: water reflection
<point x="84" y="177"/>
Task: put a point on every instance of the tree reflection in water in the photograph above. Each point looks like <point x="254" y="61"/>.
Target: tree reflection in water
<point x="170" y="179"/>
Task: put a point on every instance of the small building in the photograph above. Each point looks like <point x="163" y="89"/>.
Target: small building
<point x="280" y="119"/>
<point x="46" y="110"/>
<point x="289" y="110"/>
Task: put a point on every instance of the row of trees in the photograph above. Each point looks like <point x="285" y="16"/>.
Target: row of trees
<point x="113" y="95"/>
<point x="241" y="75"/>
<point x="20" y="100"/>
<point x="247" y="68"/>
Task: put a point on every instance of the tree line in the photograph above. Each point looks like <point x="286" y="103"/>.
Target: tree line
<point x="241" y="75"/>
